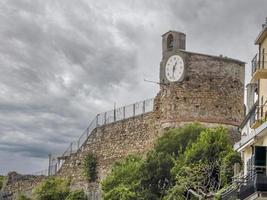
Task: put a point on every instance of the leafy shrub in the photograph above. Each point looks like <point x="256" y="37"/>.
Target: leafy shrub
<point x="175" y="141"/>
<point x="186" y="162"/>
<point x="89" y="166"/>
<point x="2" y="178"/>
<point x="149" y="179"/>
<point x="124" y="180"/>
<point x="76" y="195"/>
<point x="23" y="197"/>
<point x="52" y="189"/>
<point x="206" y="165"/>
<point x="155" y="174"/>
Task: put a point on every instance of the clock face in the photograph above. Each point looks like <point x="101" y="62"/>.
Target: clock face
<point x="174" y="68"/>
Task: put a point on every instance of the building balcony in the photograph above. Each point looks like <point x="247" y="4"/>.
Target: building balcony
<point x="253" y="185"/>
<point x="254" y="188"/>
<point x="259" y="116"/>
<point x="250" y="187"/>
<point x="257" y="120"/>
<point x="259" y="68"/>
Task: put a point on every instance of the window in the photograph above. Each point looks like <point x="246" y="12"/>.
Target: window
<point x="260" y="157"/>
<point x="170" y="41"/>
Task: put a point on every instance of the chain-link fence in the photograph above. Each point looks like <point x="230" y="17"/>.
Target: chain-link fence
<point x="56" y="161"/>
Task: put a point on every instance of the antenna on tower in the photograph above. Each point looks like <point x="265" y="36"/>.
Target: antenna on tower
<point x="159" y="83"/>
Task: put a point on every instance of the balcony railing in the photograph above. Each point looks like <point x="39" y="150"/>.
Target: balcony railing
<point x="245" y="186"/>
<point x="233" y="191"/>
<point x="256" y="184"/>
<point x="256" y="117"/>
<point x="259" y="65"/>
<point x="259" y="116"/>
<point x="254" y="64"/>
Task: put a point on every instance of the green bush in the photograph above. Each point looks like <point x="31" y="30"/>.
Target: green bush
<point x="149" y="179"/>
<point x="89" y="166"/>
<point x="175" y="141"/>
<point x="155" y="174"/>
<point x="124" y="180"/>
<point x="207" y="164"/>
<point x="23" y="197"/>
<point x="2" y="178"/>
<point x="76" y="195"/>
<point x="183" y="162"/>
<point x="52" y="189"/>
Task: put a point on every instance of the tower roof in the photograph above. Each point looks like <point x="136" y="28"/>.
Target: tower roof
<point x="173" y="32"/>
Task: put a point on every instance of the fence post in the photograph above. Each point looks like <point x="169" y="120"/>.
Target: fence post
<point x="49" y="163"/>
<point x="105" y="118"/>
<point x="144" y="106"/>
<point x="55" y="169"/>
<point x="134" y="109"/>
<point x="87" y="132"/>
<point x="123" y="112"/>
<point x="70" y="147"/>
<point x="97" y="120"/>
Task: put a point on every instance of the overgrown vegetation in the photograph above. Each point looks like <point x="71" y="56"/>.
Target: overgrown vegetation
<point x="76" y="195"/>
<point x="56" y="189"/>
<point x="191" y="162"/>
<point x="89" y="166"/>
<point x="52" y="189"/>
<point x="2" y="178"/>
<point x="23" y="197"/>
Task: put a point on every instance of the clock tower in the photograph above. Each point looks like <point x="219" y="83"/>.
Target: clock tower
<point x="197" y="87"/>
<point x="172" y="66"/>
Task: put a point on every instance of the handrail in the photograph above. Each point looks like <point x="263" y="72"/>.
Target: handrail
<point x="237" y="183"/>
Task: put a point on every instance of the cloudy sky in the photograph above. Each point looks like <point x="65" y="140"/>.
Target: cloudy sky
<point x="63" y="61"/>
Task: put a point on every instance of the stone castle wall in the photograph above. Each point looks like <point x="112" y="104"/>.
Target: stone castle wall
<point x="212" y="93"/>
<point x="110" y="143"/>
<point x="17" y="184"/>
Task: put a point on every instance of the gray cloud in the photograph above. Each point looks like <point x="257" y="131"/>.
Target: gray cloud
<point x="63" y="61"/>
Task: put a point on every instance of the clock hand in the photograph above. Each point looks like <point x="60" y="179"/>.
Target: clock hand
<point x="173" y="69"/>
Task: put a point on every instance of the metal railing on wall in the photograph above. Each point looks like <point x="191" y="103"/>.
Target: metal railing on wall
<point x="118" y="114"/>
<point x="258" y="62"/>
<point x="259" y="115"/>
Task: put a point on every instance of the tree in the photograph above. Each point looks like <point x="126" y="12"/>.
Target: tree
<point x="2" y="178"/>
<point x="122" y="192"/>
<point x="156" y="177"/>
<point x="89" y="166"/>
<point x="190" y="162"/>
<point x="124" y="180"/>
<point x="76" y="195"/>
<point x="23" y="197"/>
<point x="155" y="174"/>
<point x="151" y="177"/>
<point x="175" y="141"/>
<point x="206" y="165"/>
<point x="52" y="189"/>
